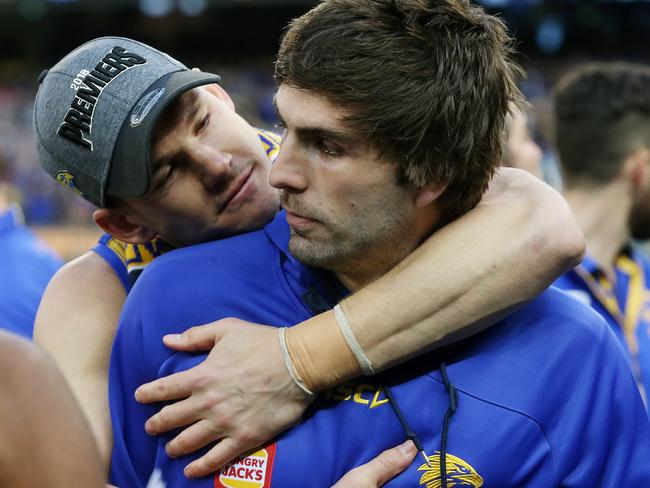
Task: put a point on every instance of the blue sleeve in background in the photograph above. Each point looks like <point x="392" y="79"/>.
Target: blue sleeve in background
<point x="27" y="267"/>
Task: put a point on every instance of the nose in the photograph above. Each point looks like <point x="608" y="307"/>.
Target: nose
<point x="288" y="171"/>
<point x="214" y="167"/>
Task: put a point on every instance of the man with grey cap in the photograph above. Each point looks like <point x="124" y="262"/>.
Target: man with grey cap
<point x="162" y="151"/>
<point x="99" y="144"/>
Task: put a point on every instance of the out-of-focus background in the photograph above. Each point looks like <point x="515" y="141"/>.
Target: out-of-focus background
<point x="237" y="39"/>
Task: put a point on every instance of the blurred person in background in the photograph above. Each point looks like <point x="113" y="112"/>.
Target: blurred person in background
<point x="95" y="285"/>
<point x="44" y="438"/>
<point x="27" y="263"/>
<point x="520" y="150"/>
<point x="602" y="134"/>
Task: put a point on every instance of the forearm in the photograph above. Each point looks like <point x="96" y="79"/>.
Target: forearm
<point x="458" y="282"/>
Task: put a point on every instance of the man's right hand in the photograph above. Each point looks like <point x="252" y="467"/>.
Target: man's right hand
<point x="242" y="395"/>
<point x="380" y="470"/>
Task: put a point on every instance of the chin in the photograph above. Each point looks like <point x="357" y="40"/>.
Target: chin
<point x="312" y="253"/>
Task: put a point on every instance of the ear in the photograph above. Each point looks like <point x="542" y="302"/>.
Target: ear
<point x="121" y="227"/>
<point x="428" y="194"/>
<point x="636" y="169"/>
<point x="216" y="90"/>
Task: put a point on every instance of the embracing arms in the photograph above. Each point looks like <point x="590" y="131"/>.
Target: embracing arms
<point x="460" y="281"/>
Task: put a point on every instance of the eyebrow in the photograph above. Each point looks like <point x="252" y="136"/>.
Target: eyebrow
<point x="311" y="132"/>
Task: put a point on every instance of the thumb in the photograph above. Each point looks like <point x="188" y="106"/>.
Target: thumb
<point x="391" y="462"/>
<point x="381" y="469"/>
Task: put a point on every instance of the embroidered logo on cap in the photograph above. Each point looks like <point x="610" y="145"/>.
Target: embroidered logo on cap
<point x="145" y="105"/>
<point x="68" y="180"/>
<point x="253" y="471"/>
<point x="459" y="472"/>
<point x="77" y="124"/>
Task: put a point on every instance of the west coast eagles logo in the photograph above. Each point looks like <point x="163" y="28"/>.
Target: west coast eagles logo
<point x="68" y="180"/>
<point x="459" y="473"/>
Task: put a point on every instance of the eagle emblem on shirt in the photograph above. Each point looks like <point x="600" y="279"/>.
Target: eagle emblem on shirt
<point x="459" y="473"/>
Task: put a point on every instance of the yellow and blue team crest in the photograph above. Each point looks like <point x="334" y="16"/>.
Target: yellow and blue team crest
<point x="68" y="180"/>
<point x="459" y="473"/>
<point x="271" y="143"/>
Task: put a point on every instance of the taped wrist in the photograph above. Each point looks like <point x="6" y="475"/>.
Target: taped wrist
<point x="320" y="353"/>
<point x="289" y="363"/>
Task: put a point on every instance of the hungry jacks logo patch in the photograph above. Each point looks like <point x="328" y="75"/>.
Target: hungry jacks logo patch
<point x="253" y="471"/>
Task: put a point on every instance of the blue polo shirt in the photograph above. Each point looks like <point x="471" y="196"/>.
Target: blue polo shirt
<point x="27" y="266"/>
<point x="623" y="300"/>
<point x="543" y="399"/>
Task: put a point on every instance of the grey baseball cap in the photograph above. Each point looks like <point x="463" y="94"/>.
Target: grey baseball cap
<point x="95" y="112"/>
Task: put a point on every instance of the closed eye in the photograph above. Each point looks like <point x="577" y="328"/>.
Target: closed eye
<point x="203" y="124"/>
<point x="328" y="149"/>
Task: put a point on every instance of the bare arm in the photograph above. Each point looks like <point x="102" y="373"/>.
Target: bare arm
<point x="461" y="280"/>
<point x="44" y="439"/>
<point x="76" y="324"/>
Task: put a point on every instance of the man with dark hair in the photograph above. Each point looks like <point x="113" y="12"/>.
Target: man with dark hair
<point x="393" y="112"/>
<point x="174" y="160"/>
<point x="602" y="126"/>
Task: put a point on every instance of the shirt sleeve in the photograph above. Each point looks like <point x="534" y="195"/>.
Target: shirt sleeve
<point x="113" y="252"/>
<point x="606" y="439"/>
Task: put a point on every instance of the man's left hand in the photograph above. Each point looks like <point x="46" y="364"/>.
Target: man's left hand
<point x="242" y="394"/>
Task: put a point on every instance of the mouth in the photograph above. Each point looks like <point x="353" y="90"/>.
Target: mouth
<point x="238" y="190"/>
<point x="297" y="221"/>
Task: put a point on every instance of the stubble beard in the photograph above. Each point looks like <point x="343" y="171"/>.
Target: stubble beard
<point x="364" y="248"/>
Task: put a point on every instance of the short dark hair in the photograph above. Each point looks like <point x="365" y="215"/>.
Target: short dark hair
<point x="428" y="82"/>
<point x="601" y="115"/>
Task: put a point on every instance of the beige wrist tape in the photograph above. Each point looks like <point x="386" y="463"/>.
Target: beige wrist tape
<point x="289" y="363"/>
<point x="320" y="353"/>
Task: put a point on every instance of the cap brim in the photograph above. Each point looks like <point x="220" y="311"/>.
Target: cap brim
<point x="130" y="172"/>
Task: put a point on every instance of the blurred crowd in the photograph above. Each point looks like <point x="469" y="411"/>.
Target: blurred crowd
<point x="251" y="86"/>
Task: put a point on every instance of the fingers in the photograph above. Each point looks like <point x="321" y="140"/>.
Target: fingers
<point x="174" y="387"/>
<point x="193" y="438"/>
<point x="199" y="338"/>
<point x="380" y="470"/>
<point x="391" y="462"/>
<point x="173" y="416"/>
<point x="215" y="458"/>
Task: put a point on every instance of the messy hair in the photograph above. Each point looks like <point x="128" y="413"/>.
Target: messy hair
<point x="427" y="82"/>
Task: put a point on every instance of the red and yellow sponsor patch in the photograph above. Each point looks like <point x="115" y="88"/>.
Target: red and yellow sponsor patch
<point x="253" y="471"/>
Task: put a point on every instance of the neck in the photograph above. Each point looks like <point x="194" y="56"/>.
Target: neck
<point x="369" y="271"/>
<point x="384" y="256"/>
<point x="602" y="214"/>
